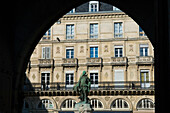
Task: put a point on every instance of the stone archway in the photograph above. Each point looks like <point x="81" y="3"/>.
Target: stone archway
<point x="28" y="21"/>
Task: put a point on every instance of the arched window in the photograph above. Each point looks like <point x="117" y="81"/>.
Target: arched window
<point x="68" y="104"/>
<point x="45" y="104"/>
<point x="145" y="104"/>
<point x="119" y="104"/>
<point x="96" y="104"/>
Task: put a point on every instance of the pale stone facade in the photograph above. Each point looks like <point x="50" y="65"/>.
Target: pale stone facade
<point x="119" y="59"/>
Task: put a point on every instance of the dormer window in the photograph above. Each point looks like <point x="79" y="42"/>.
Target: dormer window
<point x="93" y="6"/>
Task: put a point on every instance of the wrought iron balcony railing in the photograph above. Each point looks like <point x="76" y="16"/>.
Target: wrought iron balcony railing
<point x="117" y="85"/>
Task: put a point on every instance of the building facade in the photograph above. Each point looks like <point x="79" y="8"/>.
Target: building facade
<point x="105" y="42"/>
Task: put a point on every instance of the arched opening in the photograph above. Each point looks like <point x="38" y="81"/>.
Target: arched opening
<point x="68" y="105"/>
<point x="145" y="104"/>
<point x="120" y="104"/>
<point x="109" y="45"/>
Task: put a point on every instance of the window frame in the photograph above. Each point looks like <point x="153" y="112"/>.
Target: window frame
<point x="144" y="46"/>
<point x="144" y="106"/>
<point x="94" y="3"/>
<point x="120" y="106"/>
<point x="45" y="54"/>
<point x="93" y="29"/>
<point x="94" y="51"/>
<point x="71" y="30"/>
<point x="70" y="49"/>
<point x="119" y="54"/>
<point x="118" y="30"/>
<point x="71" y="73"/>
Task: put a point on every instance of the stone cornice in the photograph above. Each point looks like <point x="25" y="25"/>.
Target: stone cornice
<point x="94" y="16"/>
<point x="93" y="40"/>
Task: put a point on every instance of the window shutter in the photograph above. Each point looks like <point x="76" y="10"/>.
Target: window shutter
<point x="119" y="75"/>
<point x="48" y="52"/>
<point x="43" y="52"/>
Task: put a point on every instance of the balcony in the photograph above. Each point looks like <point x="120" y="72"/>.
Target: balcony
<point x="102" y="88"/>
<point x="46" y="62"/>
<point x="69" y="62"/>
<point x="145" y="60"/>
<point x="94" y="61"/>
<point x="118" y="60"/>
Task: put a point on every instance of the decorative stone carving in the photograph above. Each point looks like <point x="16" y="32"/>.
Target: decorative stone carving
<point x="57" y="99"/>
<point x="130" y="48"/>
<point x="81" y="49"/>
<point x="33" y="76"/>
<point x="107" y="98"/>
<point x="58" y="50"/>
<point x="106" y="48"/>
<point x="57" y="76"/>
<point x="106" y="74"/>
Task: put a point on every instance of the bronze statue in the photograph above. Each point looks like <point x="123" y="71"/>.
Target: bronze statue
<point x="83" y="87"/>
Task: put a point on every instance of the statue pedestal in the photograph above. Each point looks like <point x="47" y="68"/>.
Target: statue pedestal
<point x="83" y="108"/>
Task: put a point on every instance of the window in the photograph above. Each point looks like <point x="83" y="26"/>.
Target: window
<point x="46" y="52"/>
<point x="70" y="52"/>
<point x="93" y="52"/>
<point x="96" y="103"/>
<point x="144" y="50"/>
<point x="69" y="79"/>
<point x="93" y="6"/>
<point x="141" y="32"/>
<point x="94" y="79"/>
<point x="118" y="29"/>
<point x="45" y="81"/>
<point x="115" y="8"/>
<point x="69" y="31"/>
<point x="93" y="30"/>
<point x="145" y="104"/>
<point x="119" y="104"/>
<point x="144" y="75"/>
<point x="45" y="104"/>
<point x="118" y="51"/>
<point x="68" y="104"/>
<point x="72" y="11"/>
<point x="47" y="35"/>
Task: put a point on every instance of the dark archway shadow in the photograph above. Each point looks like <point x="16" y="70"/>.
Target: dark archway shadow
<point x="33" y="18"/>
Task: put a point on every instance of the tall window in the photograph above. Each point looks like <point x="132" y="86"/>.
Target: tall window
<point x="144" y="78"/>
<point x="144" y="50"/>
<point x="69" y="31"/>
<point x="68" y="104"/>
<point x="69" y="79"/>
<point x="70" y="52"/>
<point x="118" y="29"/>
<point x="141" y="32"/>
<point x="145" y="104"/>
<point x="47" y="35"/>
<point x="46" y="52"/>
<point x="93" y="30"/>
<point x="45" y="81"/>
<point x="93" y="52"/>
<point x="46" y="104"/>
<point x="93" y="6"/>
<point x="94" y="79"/>
<point x="96" y="103"/>
<point x="119" y="104"/>
<point x="118" y="51"/>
